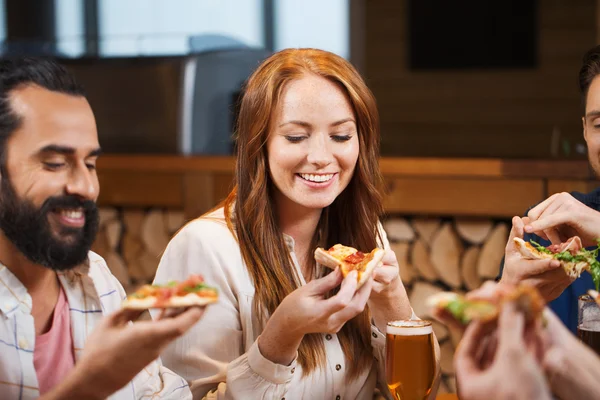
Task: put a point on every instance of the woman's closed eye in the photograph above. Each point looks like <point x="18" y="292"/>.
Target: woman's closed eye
<point x="295" y="138"/>
<point x="341" y="137"/>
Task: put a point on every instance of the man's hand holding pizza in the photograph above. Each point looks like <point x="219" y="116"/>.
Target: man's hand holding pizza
<point x="544" y="274"/>
<point x="117" y="350"/>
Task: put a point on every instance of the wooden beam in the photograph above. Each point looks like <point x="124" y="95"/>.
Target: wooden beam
<point x="456" y="197"/>
<point x="140" y="189"/>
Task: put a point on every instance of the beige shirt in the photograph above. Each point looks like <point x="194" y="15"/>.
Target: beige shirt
<point x="219" y="356"/>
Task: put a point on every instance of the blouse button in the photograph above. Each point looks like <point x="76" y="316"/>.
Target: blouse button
<point x="328" y="336"/>
<point x="338" y="367"/>
<point x="293" y="369"/>
<point x="374" y="335"/>
<point x="337" y="397"/>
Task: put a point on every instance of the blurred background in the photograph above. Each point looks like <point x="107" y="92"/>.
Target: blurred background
<point x="453" y="79"/>
<point x="479" y="103"/>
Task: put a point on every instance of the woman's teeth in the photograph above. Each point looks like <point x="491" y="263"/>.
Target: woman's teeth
<point x="317" y="178"/>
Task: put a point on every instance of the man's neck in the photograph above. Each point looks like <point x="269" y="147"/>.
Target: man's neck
<point x="34" y="277"/>
<point x="41" y="283"/>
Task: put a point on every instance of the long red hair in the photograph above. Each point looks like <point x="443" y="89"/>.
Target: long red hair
<point x="351" y="219"/>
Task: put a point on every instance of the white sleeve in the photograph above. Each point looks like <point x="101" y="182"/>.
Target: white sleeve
<point x="211" y="355"/>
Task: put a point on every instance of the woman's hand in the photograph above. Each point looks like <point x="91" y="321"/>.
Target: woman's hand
<point x="388" y="301"/>
<point x="306" y="310"/>
<point x="386" y="276"/>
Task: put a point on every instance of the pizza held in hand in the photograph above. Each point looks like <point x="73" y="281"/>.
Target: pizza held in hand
<point x="191" y="292"/>
<point x="452" y="306"/>
<point x="350" y="259"/>
<point x="573" y="257"/>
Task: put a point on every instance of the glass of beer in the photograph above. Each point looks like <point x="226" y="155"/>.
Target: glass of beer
<point x="588" y="327"/>
<point x="410" y="359"/>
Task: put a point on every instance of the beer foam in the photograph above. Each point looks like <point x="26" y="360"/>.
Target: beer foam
<point x="409" y="328"/>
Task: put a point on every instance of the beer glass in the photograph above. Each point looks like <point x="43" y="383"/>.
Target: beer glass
<point x="410" y="359"/>
<point x="588" y="327"/>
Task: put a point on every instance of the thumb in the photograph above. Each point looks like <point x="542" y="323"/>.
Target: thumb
<point x="517" y="229"/>
<point x="328" y="282"/>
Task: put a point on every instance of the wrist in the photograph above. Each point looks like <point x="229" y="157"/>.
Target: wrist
<point x="391" y="293"/>
<point x="279" y="341"/>
<point x="77" y="385"/>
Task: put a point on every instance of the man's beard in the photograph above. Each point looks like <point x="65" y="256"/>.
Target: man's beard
<point x="29" y="229"/>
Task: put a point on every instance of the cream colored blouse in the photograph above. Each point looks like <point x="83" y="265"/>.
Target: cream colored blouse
<point x="219" y="356"/>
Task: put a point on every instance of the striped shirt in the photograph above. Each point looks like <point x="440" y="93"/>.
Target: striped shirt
<point x="92" y="291"/>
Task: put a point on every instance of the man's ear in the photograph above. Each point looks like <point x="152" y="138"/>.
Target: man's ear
<point x="584" y="129"/>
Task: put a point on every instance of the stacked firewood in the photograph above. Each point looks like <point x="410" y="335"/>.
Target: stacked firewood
<point x="437" y="255"/>
<point x="132" y="241"/>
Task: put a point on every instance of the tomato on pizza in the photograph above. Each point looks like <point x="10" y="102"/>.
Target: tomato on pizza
<point x="191" y="292"/>
<point x="350" y="259"/>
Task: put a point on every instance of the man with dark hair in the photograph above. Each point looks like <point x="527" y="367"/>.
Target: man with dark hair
<point x="62" y="332"/>
<point x="563" y="215"/>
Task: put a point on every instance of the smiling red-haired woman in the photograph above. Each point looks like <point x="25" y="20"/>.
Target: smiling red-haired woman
<point x="307" y="176"/>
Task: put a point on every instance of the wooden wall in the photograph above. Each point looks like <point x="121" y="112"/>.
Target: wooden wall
<point x="475" y="113"/>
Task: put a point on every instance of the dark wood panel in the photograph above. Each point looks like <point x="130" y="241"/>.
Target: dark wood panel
<point x="141" y="189"/>
<point x="453" y="106"/>
<point x="470" y="197"/>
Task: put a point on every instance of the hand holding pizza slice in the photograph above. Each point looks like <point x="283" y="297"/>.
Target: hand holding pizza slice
<point x="191" y="292"/>
<point x="573" y="257"/>
<point x="350" y="259"/>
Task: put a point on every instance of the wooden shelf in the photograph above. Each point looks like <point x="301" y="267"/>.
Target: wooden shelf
<point x="435" y="167"/>
<point x="433" y="186"/>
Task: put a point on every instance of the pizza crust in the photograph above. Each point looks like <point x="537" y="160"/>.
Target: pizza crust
<point x="189" y="300"/>
<point x="326" y="259"/>
<point x="364" y="275"/>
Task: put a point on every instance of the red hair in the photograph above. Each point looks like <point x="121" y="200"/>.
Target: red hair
<point x="351" y="219"/>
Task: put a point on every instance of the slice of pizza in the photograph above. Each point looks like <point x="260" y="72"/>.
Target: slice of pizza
<point x="452" y="306"/>
<point x="350" y="259"/>
<point x="191" y="292"/>
<point x="573" y="257"/>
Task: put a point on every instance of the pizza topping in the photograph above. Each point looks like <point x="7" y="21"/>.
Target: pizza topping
<point x="572" y="251"/>
<point x="194" y="284"/>
<point x="355" y="258"/>
<point x="573" y="246"/>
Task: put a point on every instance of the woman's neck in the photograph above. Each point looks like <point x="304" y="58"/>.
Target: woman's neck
<point x="301" y="224"/>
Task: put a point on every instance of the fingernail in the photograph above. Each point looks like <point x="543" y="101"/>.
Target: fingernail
<point x="528" y="228"/>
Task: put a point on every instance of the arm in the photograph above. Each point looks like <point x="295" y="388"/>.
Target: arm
<point x="572" y="368"/>
<point x="389" y="300"/>
<point x="117" y="351"/>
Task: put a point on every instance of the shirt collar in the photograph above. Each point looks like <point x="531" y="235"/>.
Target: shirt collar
<point x="14" y="295"/>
